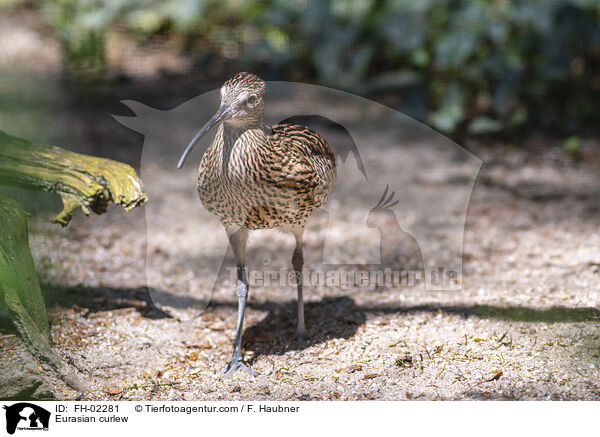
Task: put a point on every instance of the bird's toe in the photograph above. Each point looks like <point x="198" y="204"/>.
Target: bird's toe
<point x="235" y="365"/>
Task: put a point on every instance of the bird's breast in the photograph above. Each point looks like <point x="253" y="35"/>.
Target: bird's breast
<point x="229" y="179"/>
<point x="260" y="181"/>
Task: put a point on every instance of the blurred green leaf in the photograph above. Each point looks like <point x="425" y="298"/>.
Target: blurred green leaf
<point x="420" y="57"/>
<point x="518" y="117"/>
<point x="447" y="118"/>
<point x="571" y="145"/>
<point x="484" y="125"/>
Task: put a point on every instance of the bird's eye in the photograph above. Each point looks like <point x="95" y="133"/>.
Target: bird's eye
<point x="252" y="99"/>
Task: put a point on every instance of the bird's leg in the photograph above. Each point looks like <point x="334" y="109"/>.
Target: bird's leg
<point x="297" y="264"/>
<point x="238" y="241"/>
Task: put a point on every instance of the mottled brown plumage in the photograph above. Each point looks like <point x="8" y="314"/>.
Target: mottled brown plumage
<point x="258" y="177"/>
<point x="263" y="178"/>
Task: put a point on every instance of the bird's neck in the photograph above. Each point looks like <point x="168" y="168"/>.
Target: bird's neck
<point x="231" y="132"/>
<point x="227" y="140"/>
<point x="231" y="128"/>
<point x="250" y="120"/>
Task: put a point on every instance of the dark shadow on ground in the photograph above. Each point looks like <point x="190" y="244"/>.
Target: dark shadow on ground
<point x="98" y="299"/>
<point x="331" y="317"/>
<point x="340" y="317"/>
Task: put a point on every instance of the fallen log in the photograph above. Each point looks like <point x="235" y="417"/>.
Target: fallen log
<point x="82" y="181"/>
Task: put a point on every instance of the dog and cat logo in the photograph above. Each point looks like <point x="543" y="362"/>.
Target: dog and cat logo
<point x="26" y="416"/>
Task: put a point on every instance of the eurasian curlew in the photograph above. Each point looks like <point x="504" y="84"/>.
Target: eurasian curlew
<point x="259" y="177"/>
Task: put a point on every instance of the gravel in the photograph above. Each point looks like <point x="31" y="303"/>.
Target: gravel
<point x="524" y="325"/>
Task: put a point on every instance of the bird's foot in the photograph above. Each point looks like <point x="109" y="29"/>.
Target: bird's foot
<point x="301" y="335"/>
<point x="234" y="366"/>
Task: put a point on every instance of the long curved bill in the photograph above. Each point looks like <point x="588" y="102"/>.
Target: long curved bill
<point x="224" y="113"/>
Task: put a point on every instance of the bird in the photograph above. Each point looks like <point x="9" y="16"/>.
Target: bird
<point x="254" y="176"/>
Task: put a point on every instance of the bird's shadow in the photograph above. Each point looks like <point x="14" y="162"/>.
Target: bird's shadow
<point x="331" y="317"/>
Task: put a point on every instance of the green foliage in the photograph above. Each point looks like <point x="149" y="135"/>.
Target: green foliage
<point x="481" y="65"/>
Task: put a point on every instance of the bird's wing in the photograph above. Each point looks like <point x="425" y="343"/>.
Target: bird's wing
<point x="337" y="136"/>
<point x="301" y="159"/>
<point x="309" y="142"/>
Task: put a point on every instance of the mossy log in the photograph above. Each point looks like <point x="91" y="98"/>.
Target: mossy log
<point x="82" y="181"/>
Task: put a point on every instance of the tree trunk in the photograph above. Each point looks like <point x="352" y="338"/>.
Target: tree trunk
<point x="20" y="295"/>
<point x="82" y="181"/>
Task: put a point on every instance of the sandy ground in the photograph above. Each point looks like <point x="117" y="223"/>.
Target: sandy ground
<point x="523" y="326"/>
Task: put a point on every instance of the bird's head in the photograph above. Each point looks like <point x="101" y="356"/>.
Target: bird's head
<point x="243" y="95"/>
<point x="241" y="104"/>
